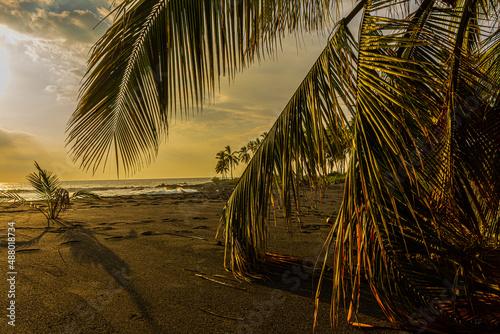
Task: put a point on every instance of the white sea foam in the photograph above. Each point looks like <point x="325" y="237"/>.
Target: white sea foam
<point x="107" y="188"/>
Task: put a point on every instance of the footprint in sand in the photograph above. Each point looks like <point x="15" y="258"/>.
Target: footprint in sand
<point x="150" y="233"/>
<point x="170" y="220"/>
<point x="116" y="237"/>
<point x="103" y="228"/>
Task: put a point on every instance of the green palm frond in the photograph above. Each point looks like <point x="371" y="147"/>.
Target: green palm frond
<point x="45" y="183"/>
<point x="160" y="56"/>
<point x="84" y="194"/>
<point x="294" y="146"/>
<point x="412" y="209"/>
<point x="52" y="199"/>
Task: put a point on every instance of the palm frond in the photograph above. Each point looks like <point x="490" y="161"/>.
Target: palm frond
<point x="294" y="146"/>
<point x="160" y="56"/>
<point x="84" y="194"/>
<point x="45" y="183"/>
<point x="412" y="214"/>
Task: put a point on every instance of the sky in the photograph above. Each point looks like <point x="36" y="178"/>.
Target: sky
<point x="44" y="47"/>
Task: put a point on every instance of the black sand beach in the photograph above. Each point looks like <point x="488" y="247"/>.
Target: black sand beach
<point x="152" y="264"/>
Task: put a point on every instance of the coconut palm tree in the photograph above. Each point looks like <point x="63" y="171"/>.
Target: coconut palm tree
<point x="252" y="146"/>
<point x="244" y="155"/>
<point x="232" y="159"/>
<point x="49" y="191"/>
<point x="419" y="219"/>
<point x="222" y="166"/>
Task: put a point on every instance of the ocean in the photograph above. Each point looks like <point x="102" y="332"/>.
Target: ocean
<point x="107" y="188"/>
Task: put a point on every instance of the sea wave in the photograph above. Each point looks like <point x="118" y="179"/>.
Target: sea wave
<point x="172" y="191"/>
<point x="111" y="188"/>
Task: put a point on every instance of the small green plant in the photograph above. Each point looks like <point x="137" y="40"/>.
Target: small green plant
<point x="49" y="191"/>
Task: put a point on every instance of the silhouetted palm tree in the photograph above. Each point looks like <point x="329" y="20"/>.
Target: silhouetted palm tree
<point x="243" y="154"/>
<point x="252" y="146"/>
<point x="222" y="166"/>
<point x="232" y="159"/>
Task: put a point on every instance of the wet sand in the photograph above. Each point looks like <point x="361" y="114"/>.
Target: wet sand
<point x="152" y="264"/>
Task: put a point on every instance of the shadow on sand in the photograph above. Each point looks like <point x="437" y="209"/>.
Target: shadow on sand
<point x="87" y="249"/>
<point x="300" y="278"/>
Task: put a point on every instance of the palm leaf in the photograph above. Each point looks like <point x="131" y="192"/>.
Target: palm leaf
<point x="293" y="146"/>
<point x="45" y="183"/>
<point x="160" y="56"/>
<point x="84" y="194"/>
<point x="411" y="210"/>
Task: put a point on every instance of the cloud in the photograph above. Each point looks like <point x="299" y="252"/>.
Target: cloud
<point x="39" y="68"/>
<point x="18" y="151"/>
<point x="71" y="21"/>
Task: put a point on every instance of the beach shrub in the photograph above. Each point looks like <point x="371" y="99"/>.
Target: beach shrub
<point x="333" y="178"/>
<point x="218" y="180"/>
<point x="52" y="199"/>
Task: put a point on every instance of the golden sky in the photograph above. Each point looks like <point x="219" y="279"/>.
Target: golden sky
<point x="43" y="52"/>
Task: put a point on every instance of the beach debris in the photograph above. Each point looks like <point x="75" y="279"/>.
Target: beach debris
<point x="197" y="272"/>
<point x="220" y="315"/>
<point x="59" y="251"/>
<point x="208" y="278"/>
<point x="186" y="236"/>
<point x="225" y="277"/>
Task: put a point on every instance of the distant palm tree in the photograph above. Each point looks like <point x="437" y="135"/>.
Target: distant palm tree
<point x="232" y="159"/>
<point x="222" y="166"/>
<point x="48" y="189"/>
<point x="258" y="142"/>
<point x="243" y="154"/>
<point x="420" y="217"/>
<point x="252" y="146"/>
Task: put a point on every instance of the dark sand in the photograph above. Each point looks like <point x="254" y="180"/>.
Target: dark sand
<point x="140" y="265"/>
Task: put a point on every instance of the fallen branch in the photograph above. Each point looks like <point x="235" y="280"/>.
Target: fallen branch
<point x="219" y="282"/>
<point x="186" y="236"/>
